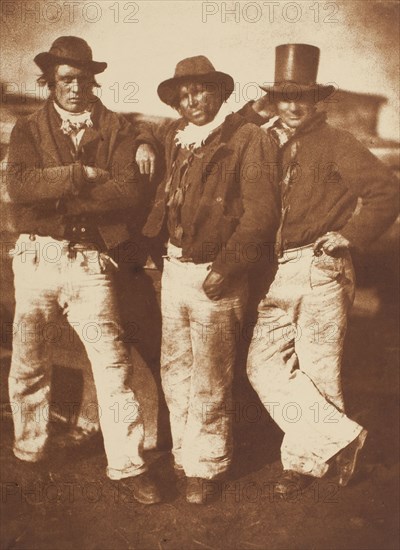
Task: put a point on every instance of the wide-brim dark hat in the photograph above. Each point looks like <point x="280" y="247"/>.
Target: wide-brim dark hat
<point x="199" y="69"/>
<point x="70" y="50"/>
<point x="296" y="69"/>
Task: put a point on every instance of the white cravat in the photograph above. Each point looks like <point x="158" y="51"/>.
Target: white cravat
<point x="74" y="124"/>
<point x="193" y="136"/>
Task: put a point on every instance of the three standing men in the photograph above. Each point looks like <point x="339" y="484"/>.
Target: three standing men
<point x="73" y="184"/>
<point x="71" y="189"/>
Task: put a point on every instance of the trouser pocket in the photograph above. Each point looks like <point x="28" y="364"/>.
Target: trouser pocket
<point x="325" y="269"/>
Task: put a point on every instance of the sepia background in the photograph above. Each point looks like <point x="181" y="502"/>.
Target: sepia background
<point x="142" y="42"/>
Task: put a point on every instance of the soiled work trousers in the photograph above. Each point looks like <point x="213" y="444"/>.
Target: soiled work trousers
<point x="295" y="357"/>
<point x="199" y="341"/>
<point x="49" y="276"/>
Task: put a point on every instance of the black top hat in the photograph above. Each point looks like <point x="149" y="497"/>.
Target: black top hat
<point x="70" y="50"/>
<point x="296" y="68"/>
<point x="197" y="68"/>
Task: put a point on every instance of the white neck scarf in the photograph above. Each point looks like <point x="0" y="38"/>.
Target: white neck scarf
<point x="73" y="122"/>
<point x="193" y="136"/>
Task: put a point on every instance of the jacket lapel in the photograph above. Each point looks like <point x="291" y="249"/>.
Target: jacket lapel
<point x="59" y="146"/>
<point x="221" y="140"/>
<point x="96" y="146"/>
<point x="217" y="146"/>
<point x="89" y="135"/>
<point x="56" y="143"/>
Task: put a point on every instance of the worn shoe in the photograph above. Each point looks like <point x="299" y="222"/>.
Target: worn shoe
<point x="291" y="482"/>
<point x="144" y="489"/>
<point x="77" y="437"/>
<point x="346" y="459"/>
<point x="195" y="493"/>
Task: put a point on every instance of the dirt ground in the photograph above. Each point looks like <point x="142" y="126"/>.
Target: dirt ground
<point x="69" y="503"/>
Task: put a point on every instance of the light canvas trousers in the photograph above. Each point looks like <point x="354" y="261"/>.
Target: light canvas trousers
<point x="199" y="342"/>
<point x="295" y="357"/>
<point x="48" y="276"/>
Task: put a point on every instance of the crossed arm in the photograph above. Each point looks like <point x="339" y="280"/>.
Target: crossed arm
<point x="76" y="188"/>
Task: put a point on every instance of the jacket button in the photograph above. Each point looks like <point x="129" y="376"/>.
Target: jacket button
<point x="218" y="199"/>
<point x="74" y="229"/>
<point x="83" y="229"/>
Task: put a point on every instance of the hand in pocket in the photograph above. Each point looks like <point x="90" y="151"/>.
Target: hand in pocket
<point x="214" y="285"/>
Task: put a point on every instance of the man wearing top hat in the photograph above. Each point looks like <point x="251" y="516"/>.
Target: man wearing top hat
<point x="73" y="184"/>
<point x="296" y="352"/>
<point x="218" y="200"/>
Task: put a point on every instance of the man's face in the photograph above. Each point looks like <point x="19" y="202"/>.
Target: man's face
<point x="294" y="113"/>
<point x="73" y="88"/>
<point x="199" y="103"/>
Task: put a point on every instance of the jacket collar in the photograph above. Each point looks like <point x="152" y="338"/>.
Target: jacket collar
<point x="219" y="138"/>
<point x="219" y="142"/>
<point x="102" y="119"/>
<point x="223" y="134"/>
<point x="311" y="124"/>
<point x="232" y="123"/>
<point x="193" y="136"/>
<point x="59" y="146"/>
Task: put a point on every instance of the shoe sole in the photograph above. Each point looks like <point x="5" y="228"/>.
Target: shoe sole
<point x="344" y="478"/>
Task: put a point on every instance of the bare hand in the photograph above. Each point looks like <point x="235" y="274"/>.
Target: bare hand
<point x="90" y="172"/>
<point x="95" y="175"/>
<point x="330" y="243"/>
<point x="213" y="285"/>
<point x="146" y="159"/>
<point x="264" y="107"/>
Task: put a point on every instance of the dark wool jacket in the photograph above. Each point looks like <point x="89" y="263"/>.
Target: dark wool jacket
<point x="333" y="170"/>
<point x="234" y="220"/>
<point x="46" y="183"/>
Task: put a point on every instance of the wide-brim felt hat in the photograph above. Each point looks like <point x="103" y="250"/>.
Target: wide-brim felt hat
<point x="70" y="50"/>
<point x="199" y="69"/>
<point x="296" y="69"/>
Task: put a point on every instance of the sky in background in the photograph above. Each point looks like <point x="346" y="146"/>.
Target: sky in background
<point x="142" y="42"/>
